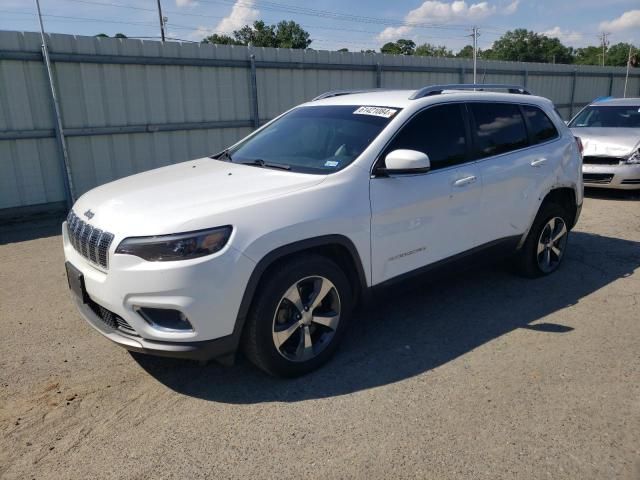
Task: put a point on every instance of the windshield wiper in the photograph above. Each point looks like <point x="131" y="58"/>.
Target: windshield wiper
<point x="225" y="156"/>
<point x="258" y="162"/>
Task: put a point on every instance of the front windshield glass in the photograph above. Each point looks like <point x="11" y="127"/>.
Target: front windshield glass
<point x="617" y="117"/>
<point x="317" y="139"/>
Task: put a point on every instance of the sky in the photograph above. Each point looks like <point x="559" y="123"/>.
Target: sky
<point x="335" y="24"/>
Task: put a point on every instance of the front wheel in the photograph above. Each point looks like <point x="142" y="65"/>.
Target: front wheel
<point x="298" y="317"/>
<point x="544" y="248"/>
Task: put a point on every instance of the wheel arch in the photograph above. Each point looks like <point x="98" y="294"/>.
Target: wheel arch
<point x="336" y="247"/>
<point x="566" y="198"/>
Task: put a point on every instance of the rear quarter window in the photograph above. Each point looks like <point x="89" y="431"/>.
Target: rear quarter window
<point x="541" y="128"/>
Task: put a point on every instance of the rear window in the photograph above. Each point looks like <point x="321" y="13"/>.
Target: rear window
<point x="499" y="128"/>
<point x="541" y="127"/>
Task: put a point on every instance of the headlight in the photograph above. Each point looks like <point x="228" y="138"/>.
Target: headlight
<point x="179" y="246"/>
<point x="634" y="158"/>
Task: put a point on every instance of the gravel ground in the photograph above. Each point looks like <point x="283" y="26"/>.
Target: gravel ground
<point x="481" y="375"/>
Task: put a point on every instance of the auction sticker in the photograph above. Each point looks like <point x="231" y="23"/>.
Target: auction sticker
<point x="376" y="111"/>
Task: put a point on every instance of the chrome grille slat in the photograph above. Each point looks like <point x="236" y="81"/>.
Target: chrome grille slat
<point x="92" y="243"/>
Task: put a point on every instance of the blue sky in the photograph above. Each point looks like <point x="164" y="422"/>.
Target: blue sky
<point x="334" y="24"/>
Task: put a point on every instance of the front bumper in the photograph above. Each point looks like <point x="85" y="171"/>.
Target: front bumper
<point x="624" y="176"/>
<point x="222" y="349"/>
<point x="208" y="290"/>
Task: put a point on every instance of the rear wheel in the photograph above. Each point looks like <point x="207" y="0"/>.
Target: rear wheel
<point x="298" y="317"/>
<point x="544" y="248"/>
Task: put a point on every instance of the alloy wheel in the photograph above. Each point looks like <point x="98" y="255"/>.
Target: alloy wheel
<point x="551" y="244"/>
<point x="306" y="318"/>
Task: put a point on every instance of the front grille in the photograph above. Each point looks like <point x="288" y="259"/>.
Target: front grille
<point x="631" y="181"/>
<point x="111" y="319"/>
<point x="597" y="177"/>
<point x="90" y="242"/>
<point x="593" y="160"/>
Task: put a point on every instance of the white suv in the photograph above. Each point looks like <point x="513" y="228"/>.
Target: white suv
<point x="270" y="244"/>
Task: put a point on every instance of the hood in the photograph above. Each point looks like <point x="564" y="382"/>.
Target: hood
<point x="186" y="196"/>
<point x="608" y="142"/>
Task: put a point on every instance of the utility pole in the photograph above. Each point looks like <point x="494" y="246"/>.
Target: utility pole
<point x="475" y="34"/>
<point x="626" y="78"/>
<point x="161" y="20"/>
<point x="62" y="144"/>
<point x="604" y="42"/>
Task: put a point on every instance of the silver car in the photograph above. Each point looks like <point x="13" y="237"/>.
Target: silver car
<point x="610" y="134"/>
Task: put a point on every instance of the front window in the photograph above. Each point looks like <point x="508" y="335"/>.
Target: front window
<point x="602" y="116"/>
<point x="317" y="139"/>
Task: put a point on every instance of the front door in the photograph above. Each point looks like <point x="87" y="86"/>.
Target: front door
<point x="419" y="219"/>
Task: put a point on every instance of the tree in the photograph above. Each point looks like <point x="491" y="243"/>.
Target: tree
<point x="429" y="50"/>
<point x="522" y="45"/>
<point x="368" y="50"/>
<point x="289" y="34"/>
<point x="466" y="52"/>
<point x="221" y="40"/>
<point x="102" y="35"/>
<point x="343" y="50"/>
<point x="258" y="35"/>
<point x="119" y="35"/>
<point x="401" y="47"/>
<point x="618" y="55"/>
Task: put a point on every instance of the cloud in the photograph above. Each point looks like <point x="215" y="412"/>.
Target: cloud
<point x="626" y="21"/>
<point x="435" y="11"/>
<point x="186" y="3"/>
<point x="511" y="8"/>
<point x="565" y="36"/>
<point x="241" y="14"/>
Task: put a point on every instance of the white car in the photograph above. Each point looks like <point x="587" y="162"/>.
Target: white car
<point x="610" y="132"/>
<point x="270" y="245"/>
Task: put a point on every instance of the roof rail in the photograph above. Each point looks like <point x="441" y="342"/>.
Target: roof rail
<point x="438" y="89"/>
<point x="337" y="93"/>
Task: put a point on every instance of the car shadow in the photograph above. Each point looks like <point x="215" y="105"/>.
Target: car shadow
<point x="32" y="229"/>
<point x="611" y="194"/>
<point x="418" y="325"/>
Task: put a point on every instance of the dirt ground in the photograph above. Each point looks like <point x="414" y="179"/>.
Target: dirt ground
<point x="483" y="375"/>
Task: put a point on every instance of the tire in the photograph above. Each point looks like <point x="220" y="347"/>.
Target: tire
<point x="288" y="335"/>
<point x="531" y="261"/>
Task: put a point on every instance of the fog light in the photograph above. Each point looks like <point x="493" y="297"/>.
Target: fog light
<point x="165" y="319"/>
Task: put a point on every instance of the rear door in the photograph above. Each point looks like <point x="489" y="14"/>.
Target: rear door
<point x="513" y="164"/>
<point x="420" y="219"/>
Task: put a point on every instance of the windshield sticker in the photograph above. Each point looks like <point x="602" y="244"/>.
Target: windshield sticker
<point x="331" y="163"/>
<point x="376" y="111"/>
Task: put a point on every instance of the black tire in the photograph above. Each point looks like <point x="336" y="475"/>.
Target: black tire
<point x="259" y="340"/>
<point x="527" y="263"/>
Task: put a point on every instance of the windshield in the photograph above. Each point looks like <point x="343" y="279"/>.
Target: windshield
<point x="318" y="139"/>
<point x="593" y="116"/>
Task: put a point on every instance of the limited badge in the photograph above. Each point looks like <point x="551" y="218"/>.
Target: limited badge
<point x="376" y="111"/>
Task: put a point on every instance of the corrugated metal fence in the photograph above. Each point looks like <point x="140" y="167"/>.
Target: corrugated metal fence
<point x="131" y="105"/>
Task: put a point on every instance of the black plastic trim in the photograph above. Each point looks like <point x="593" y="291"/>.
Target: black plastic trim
<point x="498" y="245"/>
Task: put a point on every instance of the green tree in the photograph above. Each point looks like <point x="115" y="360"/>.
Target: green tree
<point x="289" y="34"/>
<point x="429" y="50"/>
<point x="367" y="51"/>
<point x="102" y="35"/>
<point x="401" y="47"/>
<point x="343" y="50"/>
<point x="258" y="35"/>
<point x="466" y="52"/>
<point x="221" y="40"/>
<point x="618" y="54"/>
<point x="119" y="35"/>
<point x="522" y="45"/>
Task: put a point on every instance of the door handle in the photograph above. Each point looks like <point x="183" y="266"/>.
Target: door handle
<point x="539" y="162"/>
<point x="464" y="181"/>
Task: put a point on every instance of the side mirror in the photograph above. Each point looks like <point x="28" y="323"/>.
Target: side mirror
<point x="401" y="161"/>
